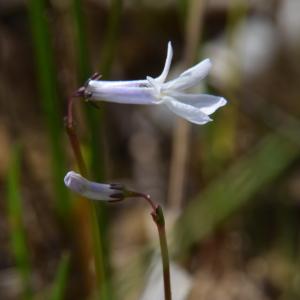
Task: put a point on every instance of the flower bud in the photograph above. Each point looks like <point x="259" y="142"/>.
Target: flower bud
<point x="93" y="190"/>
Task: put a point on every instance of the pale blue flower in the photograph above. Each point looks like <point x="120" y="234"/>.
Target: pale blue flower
<point x="195" y="108"/>
<point x="93" y="190"/>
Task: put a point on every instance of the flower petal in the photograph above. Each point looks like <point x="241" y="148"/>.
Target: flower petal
<point x="120" y="93"/>
<point x="186" y="111"/>
<point x="118" y="83"/>
<point x="162" y="77"/>
<point x="208" y="104"/>
<point x="190" y="77"/>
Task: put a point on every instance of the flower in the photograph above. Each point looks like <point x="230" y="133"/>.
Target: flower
<point x="195" y="108"/>
<point x="93" y="190"/>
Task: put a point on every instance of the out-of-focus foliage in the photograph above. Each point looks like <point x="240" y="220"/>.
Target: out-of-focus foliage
<point x="46" y="71"/>
<point x="18" y="237"/>
<point x="60" y="282"/>
<point x="236" y="186"/>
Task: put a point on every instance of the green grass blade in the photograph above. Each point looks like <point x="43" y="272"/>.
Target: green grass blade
<point x="50" y="100"/>
<point x="95" y="125"/>
<point x="17" y="232"/>
<point x="82" y="57"/>
<point x="61" y="279"/>
<point x="107" y="57"/>
<point x="237" y="186"/>
<point x="182" y="6"/>
<point x="111" y="38"/>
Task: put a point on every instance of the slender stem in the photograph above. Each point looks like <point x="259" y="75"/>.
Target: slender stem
<point x="145" y="197"/>
<point x="98" y="253"/>
<point x="165" y="262"/>
<point x="74" y="139"/>
<point x="159" y="219"/>
<point x="76" y="149"/>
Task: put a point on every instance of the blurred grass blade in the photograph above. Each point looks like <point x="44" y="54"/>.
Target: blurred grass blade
<point x="61" y="278"/>
<point x="107" y="57"/>
<point x="50" y="101"/>
<point x="111" y="38"/>
<point x="95" y="125"/>
<point x="182" y="6"/>
<point x="237" y="186"/>
<point x="94" y="117"/>
<point x="82" y="57"/>
<point x="17" y="232"/>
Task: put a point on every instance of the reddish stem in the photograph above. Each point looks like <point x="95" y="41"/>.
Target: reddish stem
<point x="147" y="198"/>
<point x="165" y="261"/>
<point x="76" y="149"/>
<point x="72" y="134"/>
<point x="159" y="220"/>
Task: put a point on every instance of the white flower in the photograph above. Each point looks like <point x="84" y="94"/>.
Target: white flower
<point x="93" y="190"/>
<point x="195" y="108"/>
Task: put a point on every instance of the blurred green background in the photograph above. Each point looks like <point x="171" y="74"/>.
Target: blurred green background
<point x="230" y="189"/>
